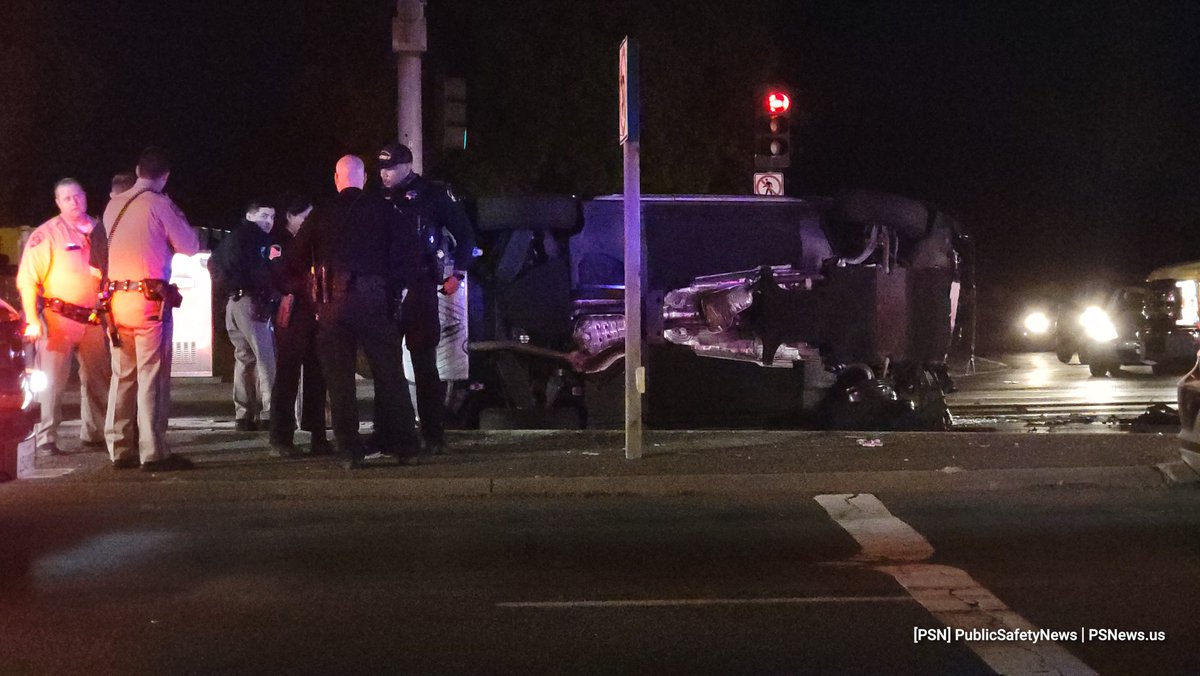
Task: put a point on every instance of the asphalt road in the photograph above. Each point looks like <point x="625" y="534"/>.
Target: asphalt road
<point x="1035" y="388"/>
<point x="122" y="584"/>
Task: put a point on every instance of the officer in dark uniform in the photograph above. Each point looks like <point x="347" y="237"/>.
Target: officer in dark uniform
<point x="438" y="212"/>
<point x="296" y="354"/>
<point x="364" y="256"/>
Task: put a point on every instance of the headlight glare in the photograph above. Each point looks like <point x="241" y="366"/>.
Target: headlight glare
<point x="1037" y="322"/>
<point x="38" y="381"/>
<point x="1097" y="325"/>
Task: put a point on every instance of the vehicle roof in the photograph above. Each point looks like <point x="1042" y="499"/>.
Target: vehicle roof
<point x="1188" y="270"/>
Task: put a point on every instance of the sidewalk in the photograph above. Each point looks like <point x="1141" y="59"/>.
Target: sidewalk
<point x="591" y="462"/>
<point x="236" y="465"/>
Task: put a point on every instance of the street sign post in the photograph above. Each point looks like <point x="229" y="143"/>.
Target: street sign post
<point x="630" y="139"/>
<point x="408" y="42"/>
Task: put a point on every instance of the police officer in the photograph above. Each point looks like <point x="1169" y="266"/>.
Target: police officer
<point x="55" y="277"/>
<point x="243" y="276"/>
<point x="438" y="212"/>
<point x="145" y="229"/>
<point x="296" y="349"/>
<point x="364" y="257"/>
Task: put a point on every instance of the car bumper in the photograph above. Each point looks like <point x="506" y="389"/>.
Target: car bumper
<point x="1171" y="346"/>
<point x="1124" y="352"/>
<point x="1188" y="399"/>
<point x="15" y="426"/>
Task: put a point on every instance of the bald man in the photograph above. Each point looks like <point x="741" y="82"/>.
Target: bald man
<point x="55" y="277"/>
<point x="364" y="257"/>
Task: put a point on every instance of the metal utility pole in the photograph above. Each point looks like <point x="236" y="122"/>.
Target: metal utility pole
<point x="408" y="42"/>
<point x="630" y="137"/>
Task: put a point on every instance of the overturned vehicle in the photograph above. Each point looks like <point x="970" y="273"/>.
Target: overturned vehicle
<point x="759" y="312"/>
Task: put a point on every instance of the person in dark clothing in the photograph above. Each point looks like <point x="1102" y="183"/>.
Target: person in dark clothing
<point x="98" y="258"/>
<point x="296" y="349"/>
<point x="364" y="256"/>
<point x="242" y="274"/>
<point x="438" y="212"/>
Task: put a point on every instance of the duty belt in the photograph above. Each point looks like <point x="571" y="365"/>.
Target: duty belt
<point x="77" y="313"/>
<point x="126" y="285"/>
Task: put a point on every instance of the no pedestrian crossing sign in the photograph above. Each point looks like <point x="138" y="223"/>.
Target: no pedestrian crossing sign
<point x="768" y="183"/>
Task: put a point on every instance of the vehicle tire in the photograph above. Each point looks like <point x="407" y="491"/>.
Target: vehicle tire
<point x="1100" y="369"/>
<point x="1064" y="356"/>
<point x="906" y="216"/>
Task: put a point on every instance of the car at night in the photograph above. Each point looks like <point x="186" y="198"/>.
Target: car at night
<point x="1105" y="334"/>
<point x="1170" y="334"/>
<point x="1188" y="399"/>
<point x="759" y="311"/>
<point x="18" y="412"/>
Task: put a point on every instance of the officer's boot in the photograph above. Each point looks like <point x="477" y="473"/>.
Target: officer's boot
<point x="352" y="454"/>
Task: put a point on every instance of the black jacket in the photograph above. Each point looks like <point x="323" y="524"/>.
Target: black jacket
<point x="357" y="234"/>
<point x="240" y="262"/>
<point x="436" y="210"/>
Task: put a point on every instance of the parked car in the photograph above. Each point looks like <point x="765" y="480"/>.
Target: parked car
<point x="18" y="412"/>
<point x="1106" y="335"/>
<point x="1188" y="400"/>
<point x="1169" y="337"/>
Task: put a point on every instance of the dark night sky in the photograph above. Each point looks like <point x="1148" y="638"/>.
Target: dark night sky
<point x="1064" y="134"/>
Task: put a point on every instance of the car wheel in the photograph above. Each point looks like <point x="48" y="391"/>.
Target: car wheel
<point x="1064" y="356"/>
<point x="1099" y="369"/>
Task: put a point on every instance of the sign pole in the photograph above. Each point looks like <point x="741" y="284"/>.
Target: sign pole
<point x="630" y="137"/>
<point x="408" y="42"/>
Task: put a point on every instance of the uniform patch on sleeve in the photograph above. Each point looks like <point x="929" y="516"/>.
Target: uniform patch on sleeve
<point x="36" y="239"/>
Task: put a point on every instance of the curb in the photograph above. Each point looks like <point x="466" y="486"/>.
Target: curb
<point x="833" y="482"/>
<point x="176" y="489"/>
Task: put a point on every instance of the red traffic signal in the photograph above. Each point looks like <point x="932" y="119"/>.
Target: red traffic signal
<point x="777" y="102"/>
<point x="772" y="130"/>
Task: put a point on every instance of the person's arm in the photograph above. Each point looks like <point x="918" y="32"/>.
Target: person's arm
<point x="222" y="263"/>
<point x="180" y="235"/>
<point x="258" y="270"/>
<point x="98" y="253"/>
<point x="298" y="256"/>
<point x="34" y="266"/>
<point x="453" y="218"/>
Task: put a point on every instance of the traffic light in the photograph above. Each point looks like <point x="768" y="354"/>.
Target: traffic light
<point x="773" y="129"/>
<point x="454" y="113"/>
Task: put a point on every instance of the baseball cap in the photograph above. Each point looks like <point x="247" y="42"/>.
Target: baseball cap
<point x="393" y="154"/>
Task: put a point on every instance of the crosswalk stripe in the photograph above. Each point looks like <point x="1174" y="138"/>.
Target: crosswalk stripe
<point x="949" y="594"/>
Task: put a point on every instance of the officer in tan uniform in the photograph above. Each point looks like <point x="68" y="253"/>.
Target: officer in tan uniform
<point x="55" y="278"/>
<point x="144" y="229"/>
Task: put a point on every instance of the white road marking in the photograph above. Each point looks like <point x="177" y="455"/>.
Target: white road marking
<point x="882" y="536"/>
<point x="665" y="603"/>
<point x="949" y="594"/>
